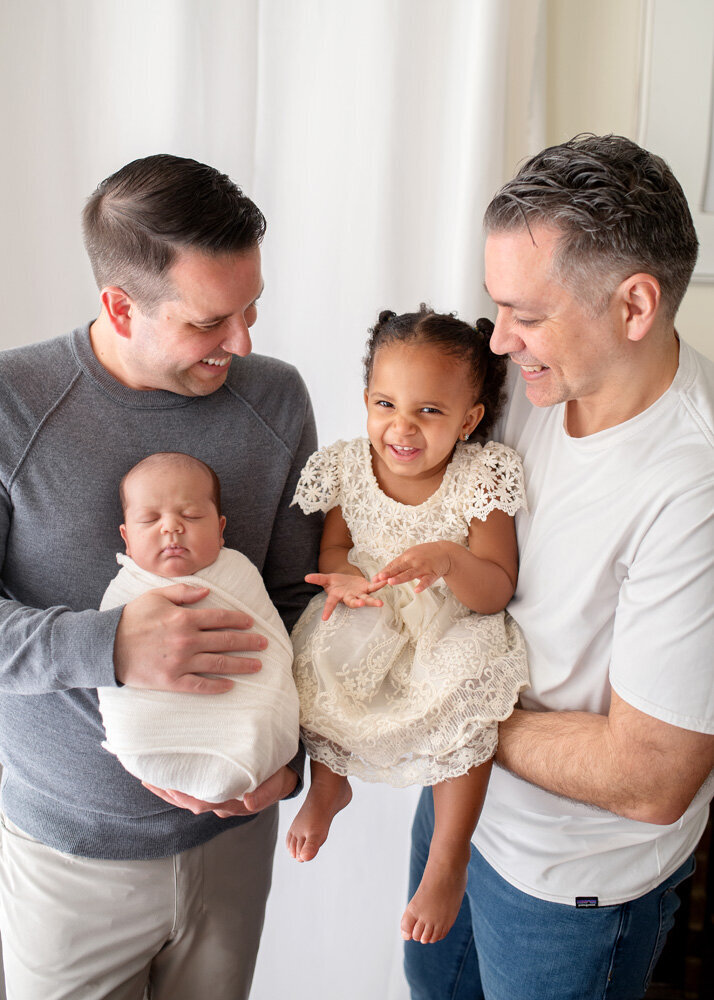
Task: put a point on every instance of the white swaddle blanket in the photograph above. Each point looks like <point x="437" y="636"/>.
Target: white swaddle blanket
<point x="215" y="747"/>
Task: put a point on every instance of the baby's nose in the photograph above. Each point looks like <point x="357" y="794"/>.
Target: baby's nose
<point x="171" y="526"/>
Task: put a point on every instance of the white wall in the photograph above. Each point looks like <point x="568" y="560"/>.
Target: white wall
<point x="594" y="63"/>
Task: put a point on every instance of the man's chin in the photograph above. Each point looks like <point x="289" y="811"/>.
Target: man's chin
<point x="539" y="398"/>
<point x="204" y="381"/>
<point x="197" y="387"/>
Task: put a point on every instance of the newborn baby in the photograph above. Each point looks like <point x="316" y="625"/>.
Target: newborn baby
<point x="214" y="747"/>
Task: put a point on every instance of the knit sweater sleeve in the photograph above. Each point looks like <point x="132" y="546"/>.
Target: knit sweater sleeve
<point x="51" y="649"/>
<point x="295" y="539"/>
<point x="47" y="647"/>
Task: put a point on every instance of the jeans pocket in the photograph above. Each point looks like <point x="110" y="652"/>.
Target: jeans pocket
<point x="669" y="903"/>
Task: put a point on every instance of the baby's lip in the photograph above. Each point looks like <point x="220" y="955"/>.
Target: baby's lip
<point x="173" y="550"/>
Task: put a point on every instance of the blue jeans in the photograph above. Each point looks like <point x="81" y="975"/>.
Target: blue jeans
<point x="507" y="945"/>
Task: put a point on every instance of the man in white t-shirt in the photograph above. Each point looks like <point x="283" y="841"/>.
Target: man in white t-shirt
<point x="605" y="775"/>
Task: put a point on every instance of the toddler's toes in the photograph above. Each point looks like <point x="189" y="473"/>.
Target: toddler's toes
<point x="407" y="924"/>
<point x="309" y="846"/>
<point x="432" y="934"/>
<point x="303" y="846"/>
<point x="440" y="932"/>
<point x="291" y="844"/>
<point x="420" y="932"/>
<point x="296" y="843"/>
<point x="413" y="927"/>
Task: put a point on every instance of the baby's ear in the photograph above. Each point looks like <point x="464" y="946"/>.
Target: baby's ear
<point x="221" y="526"/>
<point x="122" y="532"/>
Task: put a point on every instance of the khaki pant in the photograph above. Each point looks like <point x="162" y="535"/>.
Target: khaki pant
<point x="179" y="928"/>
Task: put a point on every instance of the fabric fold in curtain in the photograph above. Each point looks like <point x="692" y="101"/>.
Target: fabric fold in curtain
<point x="372" y="134"/>
<point x="375" y="162"/>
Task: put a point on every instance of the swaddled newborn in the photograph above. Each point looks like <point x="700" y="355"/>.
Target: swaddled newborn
<point x="214" y="747"/>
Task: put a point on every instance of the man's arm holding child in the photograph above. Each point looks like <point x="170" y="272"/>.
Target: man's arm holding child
<point x="626" y="761"/>
<point x="629" y="761"/>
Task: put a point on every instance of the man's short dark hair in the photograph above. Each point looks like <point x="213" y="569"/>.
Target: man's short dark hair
<point x="138" y="219"/>
<point x="619" y="209"/>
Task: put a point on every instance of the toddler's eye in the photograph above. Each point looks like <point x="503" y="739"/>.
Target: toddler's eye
<point x="430" y="409"/>
<point x="383" y="402"/>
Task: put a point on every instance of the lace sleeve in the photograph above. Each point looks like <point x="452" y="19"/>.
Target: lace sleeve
<point x="498" y="482"/>
<point x="320" y="486"/>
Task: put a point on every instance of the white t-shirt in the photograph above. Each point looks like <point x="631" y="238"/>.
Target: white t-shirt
<point x="616" y="587"/>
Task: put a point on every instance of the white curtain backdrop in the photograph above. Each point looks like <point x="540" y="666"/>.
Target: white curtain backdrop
<point x="372" y="134"/>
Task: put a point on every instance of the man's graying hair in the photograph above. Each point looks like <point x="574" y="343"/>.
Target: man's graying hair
<point x="137" y="221"/>
<point x="619" y="209"/>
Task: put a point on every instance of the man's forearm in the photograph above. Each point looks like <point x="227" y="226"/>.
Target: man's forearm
<point x="627" y="762"/>
<point x="55" y="649"/>
<point x="557" y="751"/>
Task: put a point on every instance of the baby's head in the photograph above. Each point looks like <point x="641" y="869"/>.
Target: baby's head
<point x="172" y="514"/>
<point x="430" y="379"/>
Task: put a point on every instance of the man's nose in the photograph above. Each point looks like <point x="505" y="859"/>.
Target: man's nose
<point x="503" y="340"/>
<point x="237" y="340"/>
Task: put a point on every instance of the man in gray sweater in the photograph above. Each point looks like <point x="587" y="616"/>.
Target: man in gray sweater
<point x="106" y="888"/>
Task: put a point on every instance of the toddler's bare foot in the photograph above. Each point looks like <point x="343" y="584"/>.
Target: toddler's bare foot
<point x="435" y="905"/>
<point x="325" y="798"/>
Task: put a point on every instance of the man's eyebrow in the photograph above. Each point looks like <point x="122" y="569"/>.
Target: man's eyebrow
<point x="504" y="305"/>
<point x="210" y="320"/>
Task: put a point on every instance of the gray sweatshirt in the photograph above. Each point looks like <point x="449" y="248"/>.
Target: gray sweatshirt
<point x="68" y="433"/>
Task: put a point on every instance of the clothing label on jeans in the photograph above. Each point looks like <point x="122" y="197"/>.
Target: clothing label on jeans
<point x="586" y="901"/>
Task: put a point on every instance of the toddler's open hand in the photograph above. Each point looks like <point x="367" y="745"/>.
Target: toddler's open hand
<point x="425" y="563"/>
<point x="345" y="588"/>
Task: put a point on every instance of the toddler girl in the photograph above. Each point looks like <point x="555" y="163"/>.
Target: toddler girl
<point x="408" y="687"/>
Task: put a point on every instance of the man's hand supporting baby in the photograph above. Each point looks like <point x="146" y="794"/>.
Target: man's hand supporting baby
<point x="277" y="786"/>
<point x="161" y="645"/>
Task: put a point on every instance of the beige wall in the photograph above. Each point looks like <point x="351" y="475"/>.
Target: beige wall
<point x="594" y="58"/>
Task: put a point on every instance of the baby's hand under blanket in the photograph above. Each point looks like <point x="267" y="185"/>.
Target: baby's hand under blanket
<point x="345" y="588"/>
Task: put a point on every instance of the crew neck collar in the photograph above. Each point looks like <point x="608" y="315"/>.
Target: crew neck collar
<point x="148" y="399"/>
<point x="605" y="438"/>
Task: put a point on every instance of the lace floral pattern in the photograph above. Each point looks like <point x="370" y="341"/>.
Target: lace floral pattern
<point x="409" y="693"/>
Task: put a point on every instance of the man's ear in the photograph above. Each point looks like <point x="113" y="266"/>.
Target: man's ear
<point x="118" y="307"/>
<point x="641" y="297"/>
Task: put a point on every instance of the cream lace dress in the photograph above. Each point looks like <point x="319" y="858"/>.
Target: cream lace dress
<point x="411" y="692"/>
